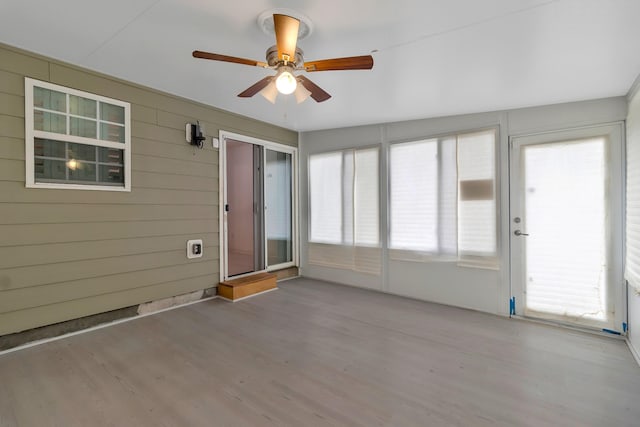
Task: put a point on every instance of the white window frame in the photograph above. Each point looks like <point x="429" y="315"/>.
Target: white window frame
<point x="31" y="134"/>
<point x="343" y="231"/>
<point x="485" y="261"/>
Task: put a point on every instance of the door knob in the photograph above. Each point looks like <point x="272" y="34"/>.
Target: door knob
<point x="520" y="233"/>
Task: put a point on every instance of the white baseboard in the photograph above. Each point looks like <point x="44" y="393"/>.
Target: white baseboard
<point x="634" y="352"/>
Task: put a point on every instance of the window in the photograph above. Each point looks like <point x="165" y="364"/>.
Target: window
<point x="344" y="226"/>
<point x="442" y="198"/>
<point x="76" y="139"/>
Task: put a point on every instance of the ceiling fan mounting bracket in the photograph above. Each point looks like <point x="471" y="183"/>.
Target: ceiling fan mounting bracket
<point x="265" y="22"/>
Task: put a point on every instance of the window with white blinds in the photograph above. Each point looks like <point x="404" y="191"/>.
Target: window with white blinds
<point x="632" y="261"/>
<point x="442" y="199"/>
<point x="344" y="223"/>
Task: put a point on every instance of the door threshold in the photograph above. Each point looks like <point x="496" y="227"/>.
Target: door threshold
<point x="590" y="330"/>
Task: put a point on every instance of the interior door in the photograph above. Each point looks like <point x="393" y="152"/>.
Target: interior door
<point x="243" y="208"/>
<point x="566" y="227"/>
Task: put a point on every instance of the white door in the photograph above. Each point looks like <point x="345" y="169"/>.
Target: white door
<point x="566" y="227"/>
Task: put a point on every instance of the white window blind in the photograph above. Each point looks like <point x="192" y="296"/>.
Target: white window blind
<point x="442" y="198"/>
<point x="414" y="195"/>
<point x="566" y="266"/>
<point x="477" y="206"/>
<point x="632" y="262"/>
<point x="344" y="224"/>
<point x="325" y="192"/>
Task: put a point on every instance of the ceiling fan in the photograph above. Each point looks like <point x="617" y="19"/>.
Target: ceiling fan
<point x="286" y="58"/>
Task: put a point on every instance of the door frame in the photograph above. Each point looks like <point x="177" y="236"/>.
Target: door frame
<point x="614" y="131"/>
<point x="222" y="215"/>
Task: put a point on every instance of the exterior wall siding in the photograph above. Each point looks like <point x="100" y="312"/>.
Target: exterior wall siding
<point x="66" y="254"/>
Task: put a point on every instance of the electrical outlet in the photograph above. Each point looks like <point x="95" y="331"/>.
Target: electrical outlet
<point x="194" y="248"/>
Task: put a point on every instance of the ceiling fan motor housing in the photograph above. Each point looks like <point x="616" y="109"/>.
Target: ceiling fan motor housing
<point x="274" y="61"/>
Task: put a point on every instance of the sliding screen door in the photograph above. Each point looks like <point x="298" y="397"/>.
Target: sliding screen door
<point x="278" y="207"/>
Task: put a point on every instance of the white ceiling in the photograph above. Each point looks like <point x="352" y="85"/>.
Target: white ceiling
<point x="432" y="57"/>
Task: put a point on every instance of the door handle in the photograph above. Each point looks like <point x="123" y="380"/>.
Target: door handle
<point x="520" y="233"/>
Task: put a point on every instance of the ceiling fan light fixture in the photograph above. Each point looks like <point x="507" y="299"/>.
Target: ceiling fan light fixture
<point x="301" y="93"/>
<point x="270" y="92"/>
<point x="286" y="82"/>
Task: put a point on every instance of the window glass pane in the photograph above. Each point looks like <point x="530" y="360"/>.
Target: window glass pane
<point x="347" y="197"/>
<point x="565" y="216"/>
<point x="81" y="171"/>
<point x="367" y="228"/>
<point x="111" y="132"/>
<point x="81" y="152"/>
<point x="46" y="169"/>
<point x="111" y="113"/>
<point x="84" y="107"/>
<point x="476" y="204"/>
<point x="110" y="174"/>
<point x="477" y="223"/>
<point x="414" y="195"/>
<point x="325" y="187"/>
<point x="448" y="219"/>
<point x="49" y="122"/>
<point x="476" y="156"/>
<point x="49" y="99"/>
<point x="111" y="155"/>
<point x="82" y="127"/>
<point x="48" y="148"/>
<point x="278" y="201"/>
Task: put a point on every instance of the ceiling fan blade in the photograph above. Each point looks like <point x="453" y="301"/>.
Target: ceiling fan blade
<point x="317" y="93"/>
<point x="364" y="62"/>
<point x="286" y="29"/>
<point x="225" y="58"/>
<point x="249" y="92"/>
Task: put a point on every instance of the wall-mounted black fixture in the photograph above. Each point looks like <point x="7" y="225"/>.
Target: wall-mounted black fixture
<point x="195" y="134"/>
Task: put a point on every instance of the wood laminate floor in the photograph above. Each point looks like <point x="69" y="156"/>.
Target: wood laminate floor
<point x="314" y="353"/>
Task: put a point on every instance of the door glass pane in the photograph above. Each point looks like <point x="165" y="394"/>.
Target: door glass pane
<point x="243" y="233"/>
<point x="278" y="203"/>
<point x="565" y="217"/>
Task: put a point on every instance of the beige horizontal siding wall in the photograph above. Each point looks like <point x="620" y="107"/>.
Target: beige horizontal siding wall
<point x="65" y="254"/>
